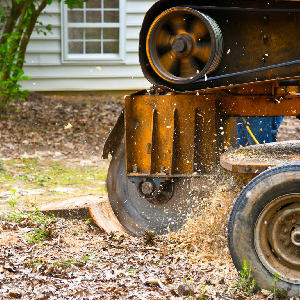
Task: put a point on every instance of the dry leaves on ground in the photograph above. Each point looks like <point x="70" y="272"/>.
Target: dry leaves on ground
<point x="81" y="262"/>
<point x="76" y="126"/>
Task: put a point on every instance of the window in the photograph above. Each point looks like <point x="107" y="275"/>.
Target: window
<point x="94" y="31"/>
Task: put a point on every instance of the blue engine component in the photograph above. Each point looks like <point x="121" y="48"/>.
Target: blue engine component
<point x="254" y="130"/>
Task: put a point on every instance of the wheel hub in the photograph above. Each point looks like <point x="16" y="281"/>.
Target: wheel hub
<point x="147" y="188"/>
<point x="277" y="237"/>
<point x="156" y="192"/>
<point x="284" y="235"/>
<point x="295" y="237"/>
<point x="183" y="45"/>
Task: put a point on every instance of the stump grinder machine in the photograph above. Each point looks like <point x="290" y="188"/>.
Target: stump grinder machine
<point x="210" y="61"/>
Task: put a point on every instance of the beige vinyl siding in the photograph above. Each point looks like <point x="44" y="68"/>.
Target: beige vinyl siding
<point x="45" y="66"/>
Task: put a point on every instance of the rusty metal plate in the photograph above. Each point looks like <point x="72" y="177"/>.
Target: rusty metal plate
<point x="261" y="105"/>
<point x="170" y="134"/>
<point x="257" y="158"/>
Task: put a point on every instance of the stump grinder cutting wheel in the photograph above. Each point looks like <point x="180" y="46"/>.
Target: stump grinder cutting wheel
<point x="144" y="208"/>
<point x="211" y="61"/>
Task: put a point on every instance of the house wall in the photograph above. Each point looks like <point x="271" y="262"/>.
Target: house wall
<point x="45" y="66"/>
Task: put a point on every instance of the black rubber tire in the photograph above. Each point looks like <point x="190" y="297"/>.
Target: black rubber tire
<point x="262" y="190"/>
<point x="134" y="212"/>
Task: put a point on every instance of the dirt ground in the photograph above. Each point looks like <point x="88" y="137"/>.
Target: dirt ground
<point x="58" y="125"/>
<point x="81" y="262"/>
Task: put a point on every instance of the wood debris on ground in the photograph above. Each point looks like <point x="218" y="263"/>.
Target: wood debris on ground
<point x="80" y="261"/>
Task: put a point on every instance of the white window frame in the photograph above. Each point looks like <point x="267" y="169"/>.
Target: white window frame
<point x="92" y="57"/>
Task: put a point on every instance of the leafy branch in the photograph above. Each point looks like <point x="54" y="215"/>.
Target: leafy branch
<point x="18" y="19"/>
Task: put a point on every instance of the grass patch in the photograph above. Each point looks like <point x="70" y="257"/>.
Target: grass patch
<point x="42" y="224"/>
<point x="33" y="179"/>
<point x="246" y="282"/>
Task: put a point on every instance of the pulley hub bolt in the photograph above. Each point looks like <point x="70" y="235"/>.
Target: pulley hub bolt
<point x="295" y="237"/>
<point x="179" y="45"/>
<point x="182" y="45"/>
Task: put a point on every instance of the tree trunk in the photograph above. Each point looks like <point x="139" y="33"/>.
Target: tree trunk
<point x="17" y="22"/>
<point x="26" y="36"/>
<point x="2" y="104"/>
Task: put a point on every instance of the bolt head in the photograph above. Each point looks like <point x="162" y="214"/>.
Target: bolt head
<point x="179" y="45"/>
<point x="162" y="169"/>
<point x="147" y="188"/>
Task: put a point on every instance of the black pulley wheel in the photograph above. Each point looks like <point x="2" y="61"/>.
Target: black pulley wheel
<point x="138" y="214"/>
<point x="184" y="45"/>
<point x="264" y="228"/>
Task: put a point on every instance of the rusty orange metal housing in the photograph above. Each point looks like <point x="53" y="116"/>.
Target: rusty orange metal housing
<point x="164" y="134"/>
<point x="182" y="134"/>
